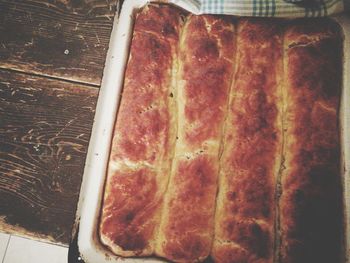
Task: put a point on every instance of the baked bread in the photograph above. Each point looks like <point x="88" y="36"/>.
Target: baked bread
<point x="204" y="78"/>
<point x="226" y="141"/>
<point x="311" y="201"/>
<point x="144" y="136"/>
<point x="246" y="210"/>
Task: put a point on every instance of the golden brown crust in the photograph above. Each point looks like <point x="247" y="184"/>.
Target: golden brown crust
<point x="205" y="70"/>
<point x="179" y="122"/>
<point x="146" y="88"/>
<point x="143" y="139"/>
<point x="206" y="66"/>
<point x="186" y="232"/>
<point x="310" y="205"/>
<point x="131" y="201"/>
<point x="245" y="215"/>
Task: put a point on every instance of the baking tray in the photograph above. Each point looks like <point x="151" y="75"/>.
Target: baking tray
<point x="89" y="246"/>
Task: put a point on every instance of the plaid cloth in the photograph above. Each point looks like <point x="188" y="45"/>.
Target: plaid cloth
<point x="268" y="8"/>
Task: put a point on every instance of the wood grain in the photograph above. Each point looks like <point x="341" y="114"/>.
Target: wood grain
<point x="45" y="126"/>
<point x="61" y="38"/>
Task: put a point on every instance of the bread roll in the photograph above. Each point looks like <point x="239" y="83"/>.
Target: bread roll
<point x="250" y="163"/>
<point x="204" y="78"/>
<point x="310" y="205"/>
<point x="144" y="136"/>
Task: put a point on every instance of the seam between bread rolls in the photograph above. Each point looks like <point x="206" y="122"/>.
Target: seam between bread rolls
<point x="278" y="191"/>
<point x="175" y="116"/>
<point x="230" y="100"/>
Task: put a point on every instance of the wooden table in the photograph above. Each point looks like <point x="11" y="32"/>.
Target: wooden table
<point x="52" y="54"/>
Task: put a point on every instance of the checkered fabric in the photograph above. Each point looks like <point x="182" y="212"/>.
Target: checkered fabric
<point x="270" y="8"/>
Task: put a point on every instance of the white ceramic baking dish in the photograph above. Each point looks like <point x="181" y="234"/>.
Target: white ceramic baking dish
<point x="92" y="187"/>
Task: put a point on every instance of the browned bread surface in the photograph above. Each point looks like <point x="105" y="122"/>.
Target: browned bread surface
<point x="311" y="205"/>
<point x="204" y="78"/>
<point x="227" y="141"/>
<point x="245" y="214"/>
<point x="144" y="135"/>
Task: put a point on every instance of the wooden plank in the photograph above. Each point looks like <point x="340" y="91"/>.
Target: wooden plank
<point x="62" y="38"/>
<point x="45" y="126"/>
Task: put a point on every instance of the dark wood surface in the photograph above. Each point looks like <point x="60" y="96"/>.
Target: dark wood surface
<point x="44" y="134"/>
<point x="62" y="38"/>
<point x="52" y="54"/>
